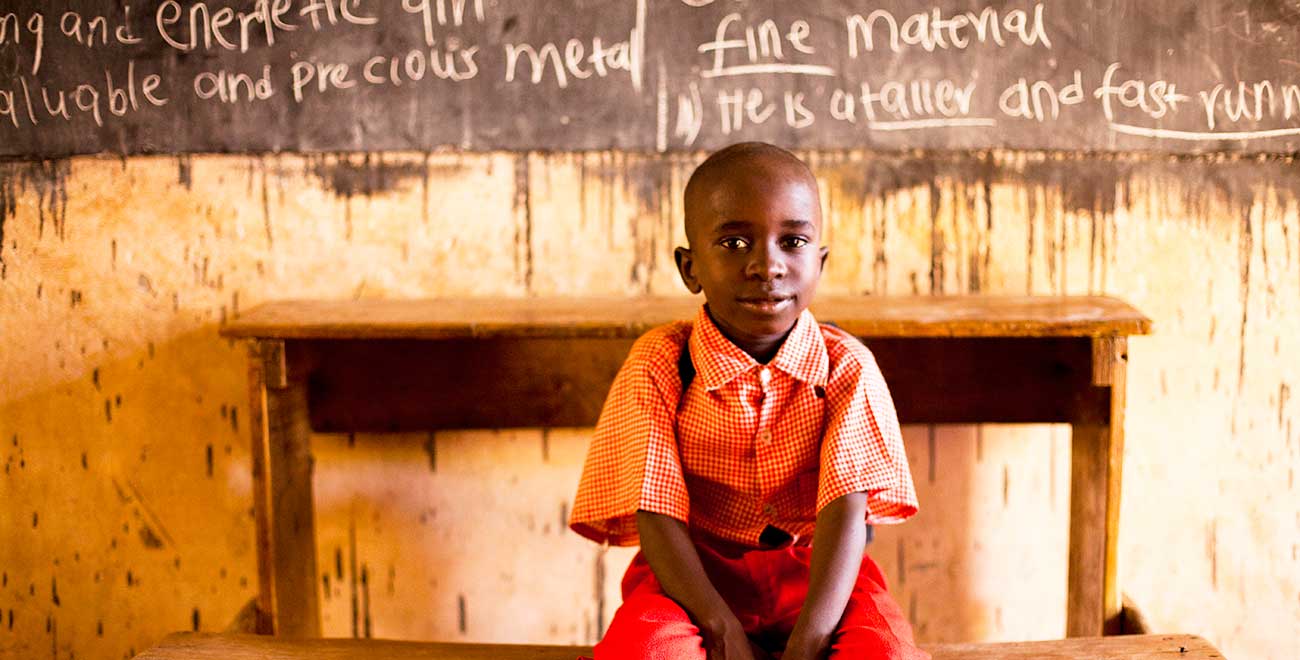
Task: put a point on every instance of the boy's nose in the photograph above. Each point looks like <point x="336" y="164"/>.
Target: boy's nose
<point x="765" y="263"/>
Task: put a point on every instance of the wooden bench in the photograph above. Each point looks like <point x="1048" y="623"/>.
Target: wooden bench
<point x="341" y="366"/>
<point x="194" y="646"/>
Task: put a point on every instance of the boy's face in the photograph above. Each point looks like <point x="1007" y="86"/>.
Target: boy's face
<point x="754" y="233"/>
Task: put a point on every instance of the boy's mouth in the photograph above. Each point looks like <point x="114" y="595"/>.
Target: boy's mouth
<point x="766" y="304"/>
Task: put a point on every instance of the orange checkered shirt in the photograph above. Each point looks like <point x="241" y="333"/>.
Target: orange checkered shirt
<point x="746" y="445"/>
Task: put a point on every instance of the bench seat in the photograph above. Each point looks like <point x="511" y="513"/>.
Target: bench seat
<point x="213" y="646"/>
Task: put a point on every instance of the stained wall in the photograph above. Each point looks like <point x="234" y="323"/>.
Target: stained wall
<point x="123" y="415"/>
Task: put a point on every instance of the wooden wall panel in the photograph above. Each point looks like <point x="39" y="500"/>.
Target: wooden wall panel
<point x="459" y="536"/>
<point x="985" y="557"/>
<point x="123" y="418"/>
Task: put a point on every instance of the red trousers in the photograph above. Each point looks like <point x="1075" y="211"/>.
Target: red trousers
<point x="765" y="589"/>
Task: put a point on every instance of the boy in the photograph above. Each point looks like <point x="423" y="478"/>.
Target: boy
<point x="782" y="427"/>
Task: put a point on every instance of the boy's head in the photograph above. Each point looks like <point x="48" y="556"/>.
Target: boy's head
<point x="753" y="229"/>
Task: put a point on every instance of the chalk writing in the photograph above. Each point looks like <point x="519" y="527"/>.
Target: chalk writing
<point x="1156" y="98"/>
<point x="916" y="98"/>
<point x="762" y="42"/>
<point x="94" y="31"/>
<point x="1254" y="101"/>
<point x="797" y="114"/>
<point x="451" y="62"/>
<point x="437" y="12"/>
<point x="738" y="107"/>
<point x="234" y="87"/>
<point x="575" y="61"/>
<point x="11" y="33"/>
<point x="690" y="115"/>
<point x="479" y="74"/>
<point x="322" y="13"/>
<point x="918" y="124"/>
<point x="1169" y="134"/>
<point x="200" y="27"/>
<point x="1040" y="100"/>
<point x="931" y="31"/>
<point x="31" y="104"/>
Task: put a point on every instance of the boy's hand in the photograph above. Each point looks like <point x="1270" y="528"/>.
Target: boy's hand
<point x="838" y="544"/>
<point x="676" y="565"/>
<point x="803" y="648"/>
<point x="759" y="652"/>
<point x="727" y="640"/>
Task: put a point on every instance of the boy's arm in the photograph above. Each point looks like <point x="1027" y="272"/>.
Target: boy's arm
<point x="672" y="557"/>
<point x="838" y="543"/>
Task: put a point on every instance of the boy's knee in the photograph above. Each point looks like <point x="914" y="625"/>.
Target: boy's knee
<point x="650" y="627"/>
<point x="874" y="628"/>
<point x="866" y="642"/>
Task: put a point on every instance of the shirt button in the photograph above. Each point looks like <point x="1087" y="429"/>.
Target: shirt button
<point x="765" y="436"/>
<point x="764" y="376"/>
<point x="769" y="510"/>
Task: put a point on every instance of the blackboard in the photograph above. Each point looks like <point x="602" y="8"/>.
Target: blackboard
<point x="165" y="76"/>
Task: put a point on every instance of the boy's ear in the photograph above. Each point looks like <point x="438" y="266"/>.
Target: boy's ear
<point x="686" y="268"/>
<point x="825" y="252"/>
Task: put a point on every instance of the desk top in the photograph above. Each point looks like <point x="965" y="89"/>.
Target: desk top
<point x="864" y="316"/>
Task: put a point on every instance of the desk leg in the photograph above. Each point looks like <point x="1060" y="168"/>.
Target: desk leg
<point x="265" y="601"/>
<point x="1096" y="460"/>
<point x="283" y="505"/>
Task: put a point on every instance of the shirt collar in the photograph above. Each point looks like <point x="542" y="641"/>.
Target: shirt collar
<point x="717" y="360"/>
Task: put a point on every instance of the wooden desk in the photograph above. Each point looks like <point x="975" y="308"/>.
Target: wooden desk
<point x="191" y="646"/>
<point x="338" y="366"/>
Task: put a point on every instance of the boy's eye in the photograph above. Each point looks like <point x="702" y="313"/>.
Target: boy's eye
<point x="733" y="243"/>
<point x="795" y="242"/>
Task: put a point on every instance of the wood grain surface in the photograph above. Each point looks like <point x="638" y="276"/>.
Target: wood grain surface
<point x="875" y="316"/>
<point x="190" y="646"/>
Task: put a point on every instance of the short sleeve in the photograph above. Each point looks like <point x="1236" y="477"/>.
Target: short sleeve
<point x="633" y="462"/>
<point x="862" y="449"/>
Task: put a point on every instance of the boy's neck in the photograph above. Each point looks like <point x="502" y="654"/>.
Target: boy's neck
<point x="761" y="349"/>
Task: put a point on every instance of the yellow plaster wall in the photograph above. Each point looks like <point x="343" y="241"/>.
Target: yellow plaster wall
<point x="123" y="417"/>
